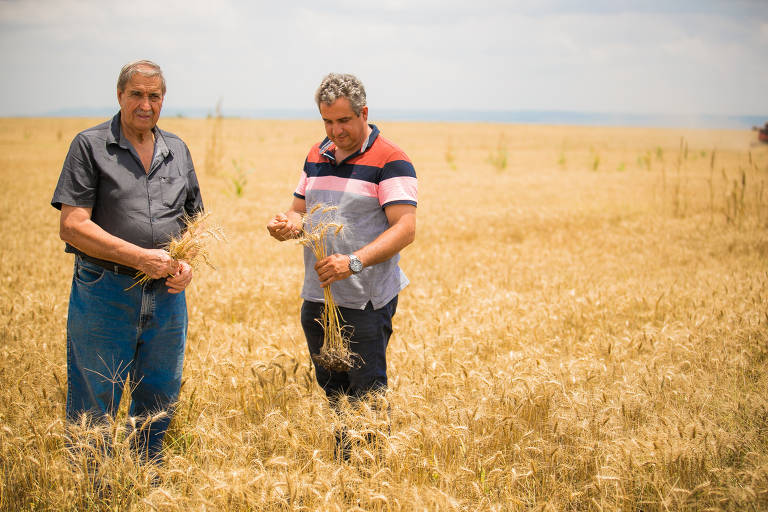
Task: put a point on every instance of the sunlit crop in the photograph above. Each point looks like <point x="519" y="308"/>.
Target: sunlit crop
<point x="574" y="337"/>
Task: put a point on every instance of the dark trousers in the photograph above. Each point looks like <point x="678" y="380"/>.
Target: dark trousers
<point x="370" y="330"/>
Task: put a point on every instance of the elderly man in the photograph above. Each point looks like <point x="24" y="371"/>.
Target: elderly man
<point x="373" y="184"/>
<point x="124" y="190"/>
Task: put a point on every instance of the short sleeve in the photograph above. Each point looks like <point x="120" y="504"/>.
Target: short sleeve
<point x="79" y="179"/>
<point x="301" y="188"/>
<point x="398" y="184"/>
<point x="194" y="202"/>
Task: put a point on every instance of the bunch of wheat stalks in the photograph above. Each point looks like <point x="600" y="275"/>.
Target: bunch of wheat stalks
<point x="192" y="245"/>
<point x="334" y="354"/>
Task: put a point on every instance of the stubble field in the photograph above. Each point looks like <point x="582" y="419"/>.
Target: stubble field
<point x="586" y="329"/>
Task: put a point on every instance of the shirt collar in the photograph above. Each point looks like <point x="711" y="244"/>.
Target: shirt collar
<point x="328" y="148"/>
<point x="115" y="136"/>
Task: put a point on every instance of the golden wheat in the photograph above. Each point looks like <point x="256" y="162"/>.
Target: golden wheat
<point x="192" y="244"/>
<point x="571" y="339"/>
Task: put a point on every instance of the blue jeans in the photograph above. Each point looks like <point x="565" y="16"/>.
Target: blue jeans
<point x="113" y="334"/>
<point x="371" y="330"/>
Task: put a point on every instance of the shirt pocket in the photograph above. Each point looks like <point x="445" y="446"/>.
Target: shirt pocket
<point x="173" y="190"/>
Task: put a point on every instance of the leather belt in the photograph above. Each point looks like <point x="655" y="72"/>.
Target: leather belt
<point x="111" y="266"/>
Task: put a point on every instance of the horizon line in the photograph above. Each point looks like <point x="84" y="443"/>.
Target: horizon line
<point x="521" y="116"/>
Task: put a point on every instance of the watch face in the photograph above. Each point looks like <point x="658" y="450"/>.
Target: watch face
<point x="355" y="265"/>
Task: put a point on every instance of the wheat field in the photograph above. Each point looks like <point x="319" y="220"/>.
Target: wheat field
<point x="586" y="329"/>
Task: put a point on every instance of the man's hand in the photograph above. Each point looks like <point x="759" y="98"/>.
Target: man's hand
<point x="333" y="268"/>
<point x="157" y="263"/>
<point x="281" y="228"/>
<point x="182" y="278"/>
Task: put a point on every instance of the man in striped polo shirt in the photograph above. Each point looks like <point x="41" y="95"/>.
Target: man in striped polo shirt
<point x="373" y="184"/>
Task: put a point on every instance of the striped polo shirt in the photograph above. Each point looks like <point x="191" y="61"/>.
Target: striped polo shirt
<point x="360" y="187"/>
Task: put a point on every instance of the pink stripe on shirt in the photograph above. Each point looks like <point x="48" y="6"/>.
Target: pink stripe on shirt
<point x="402" y="188"/>
<point x="350" y="186"/>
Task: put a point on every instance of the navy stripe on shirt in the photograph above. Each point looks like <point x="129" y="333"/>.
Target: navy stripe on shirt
<point x="371" y="174"/>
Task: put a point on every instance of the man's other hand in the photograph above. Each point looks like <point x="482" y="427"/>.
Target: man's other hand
<point x="281" y="228"/>
<point x="178" y="282"/>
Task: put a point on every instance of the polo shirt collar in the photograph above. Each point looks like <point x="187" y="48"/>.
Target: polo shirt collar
<point x="115" y="136"/>
<point x="328" y="148"/>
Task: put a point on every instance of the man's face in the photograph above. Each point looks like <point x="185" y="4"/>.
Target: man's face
<point x="141" y="102"/>
<point x="342" y="126"/>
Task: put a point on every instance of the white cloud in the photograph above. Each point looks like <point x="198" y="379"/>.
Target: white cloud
<point x="487" y="54"/>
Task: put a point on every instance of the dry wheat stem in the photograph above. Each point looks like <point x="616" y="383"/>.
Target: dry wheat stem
<point x="334" y="354"/>
<point x="192" y="245"/>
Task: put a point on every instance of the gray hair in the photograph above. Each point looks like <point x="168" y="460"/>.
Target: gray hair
<point x="335" y="86"/>
<point x="145" y="68"/>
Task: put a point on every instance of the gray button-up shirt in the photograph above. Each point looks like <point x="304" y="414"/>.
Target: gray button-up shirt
<point x="102" y="171"/>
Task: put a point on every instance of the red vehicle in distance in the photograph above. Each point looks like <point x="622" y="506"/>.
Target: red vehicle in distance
<point x="762" y="133"/>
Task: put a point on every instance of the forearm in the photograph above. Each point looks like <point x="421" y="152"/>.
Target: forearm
<point x="77" y="229"/>
<point x="402" y="231"/>
<point x="91" y="239"/>
<point x="296" y="212"/>
<point x="386" y="245"/>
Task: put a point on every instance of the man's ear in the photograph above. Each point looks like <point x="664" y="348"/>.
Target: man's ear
<point x="364" y="113"/>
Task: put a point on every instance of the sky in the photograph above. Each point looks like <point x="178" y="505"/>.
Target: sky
<point x="638" y="57"/>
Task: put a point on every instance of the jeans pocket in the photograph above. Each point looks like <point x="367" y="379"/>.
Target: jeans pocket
<point x="88" y="273"/>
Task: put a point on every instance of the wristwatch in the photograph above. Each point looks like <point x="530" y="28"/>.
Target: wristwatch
<point x="355" y="265"/>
